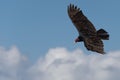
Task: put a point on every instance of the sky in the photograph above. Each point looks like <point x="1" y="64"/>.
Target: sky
<point x="38" y="33"/>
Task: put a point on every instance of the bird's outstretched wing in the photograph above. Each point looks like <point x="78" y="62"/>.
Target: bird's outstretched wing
<point x="86" y="28"/>
<point x="94" y="44"/>
<point x="80" y="21"/>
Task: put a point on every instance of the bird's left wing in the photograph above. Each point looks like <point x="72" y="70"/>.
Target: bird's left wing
<point x="94" y="44"/>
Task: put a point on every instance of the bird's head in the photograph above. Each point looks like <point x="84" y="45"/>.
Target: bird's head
<point x="78" y="39"/>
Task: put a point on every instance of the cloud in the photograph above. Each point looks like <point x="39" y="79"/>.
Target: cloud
<point x="11" y="63"/>
<point x="59" y="64"/>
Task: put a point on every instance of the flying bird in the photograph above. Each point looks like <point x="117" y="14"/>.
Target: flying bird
<point x="91" y="37"/>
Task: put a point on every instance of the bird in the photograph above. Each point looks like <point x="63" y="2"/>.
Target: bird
<point x="88" y="34"/>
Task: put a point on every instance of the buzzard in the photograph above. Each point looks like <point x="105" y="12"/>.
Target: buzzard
<point x="91" y="37"/>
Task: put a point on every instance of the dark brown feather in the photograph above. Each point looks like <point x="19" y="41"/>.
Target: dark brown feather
<point x="86" y="29"/>
<point x="80" y="21"/>
<point x="94" y="44"/>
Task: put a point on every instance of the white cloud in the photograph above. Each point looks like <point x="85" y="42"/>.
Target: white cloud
<point x="11" y="63"/>
<point x="60" y="64"/>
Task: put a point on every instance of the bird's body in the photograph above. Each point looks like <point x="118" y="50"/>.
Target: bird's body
<point x="87" y="33"/>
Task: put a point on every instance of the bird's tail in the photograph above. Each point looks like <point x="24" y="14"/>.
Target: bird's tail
<point x="103" y="34"/>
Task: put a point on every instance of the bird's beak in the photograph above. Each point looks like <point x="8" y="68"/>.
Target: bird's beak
<point x="75" y="42"/>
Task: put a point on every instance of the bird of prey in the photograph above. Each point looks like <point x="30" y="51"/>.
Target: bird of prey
<point x="91" y="37"/>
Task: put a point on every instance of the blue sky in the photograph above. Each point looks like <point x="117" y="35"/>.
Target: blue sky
<point x="35" y="26"/>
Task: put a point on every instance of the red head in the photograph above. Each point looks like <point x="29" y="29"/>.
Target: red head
<point x="79" y="39"/>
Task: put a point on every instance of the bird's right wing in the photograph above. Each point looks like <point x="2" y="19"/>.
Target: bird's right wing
<point x="80" y="21"/>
